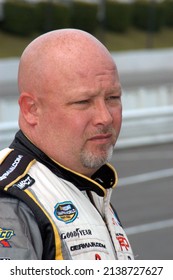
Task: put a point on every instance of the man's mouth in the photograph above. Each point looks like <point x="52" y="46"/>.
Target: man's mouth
<point x="101" y="138"/>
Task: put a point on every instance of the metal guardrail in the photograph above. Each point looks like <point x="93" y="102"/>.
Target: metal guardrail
<point x="146" y="126"/>
<point x="140" y="127"/>
<point x="7" y="132"/>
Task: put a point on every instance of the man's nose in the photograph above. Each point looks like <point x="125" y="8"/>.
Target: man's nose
<point x="102" y="114"/>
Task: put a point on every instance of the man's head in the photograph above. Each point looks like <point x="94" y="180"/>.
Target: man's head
<point x="70" y="99"/>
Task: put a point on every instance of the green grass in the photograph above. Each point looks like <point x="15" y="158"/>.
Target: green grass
<point x="13" y="46"/>
<point x="136" y="40"/>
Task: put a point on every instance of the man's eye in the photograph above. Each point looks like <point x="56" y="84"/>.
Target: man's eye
<point x="85" y="101"/>
<point x="114" y="97"/>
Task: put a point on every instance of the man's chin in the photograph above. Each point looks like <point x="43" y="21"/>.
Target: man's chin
<point x="96" y="160"/>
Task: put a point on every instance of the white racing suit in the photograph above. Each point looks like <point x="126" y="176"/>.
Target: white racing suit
<point x="50" y="212"/>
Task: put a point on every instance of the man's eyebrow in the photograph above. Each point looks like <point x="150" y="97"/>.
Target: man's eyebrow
<point x="116" y="89"/>
<point x="86" y="94"/>
<point x="91" y="93"/>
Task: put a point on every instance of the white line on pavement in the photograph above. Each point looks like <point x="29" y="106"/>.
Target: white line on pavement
<point x="145" y="155"/>
<point x="149" y="227"/>
<point x="145" y="177"/>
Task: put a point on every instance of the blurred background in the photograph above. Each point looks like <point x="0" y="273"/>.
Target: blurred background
<point x="139" y="35"/>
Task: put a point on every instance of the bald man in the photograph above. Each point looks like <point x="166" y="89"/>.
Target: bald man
<point x="55" y="179"/>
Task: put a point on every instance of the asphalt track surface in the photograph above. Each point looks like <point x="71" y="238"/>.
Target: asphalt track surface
<point x="144" y="199"/>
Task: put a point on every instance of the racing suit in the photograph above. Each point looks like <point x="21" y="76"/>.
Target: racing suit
<point x="50" y="212"/>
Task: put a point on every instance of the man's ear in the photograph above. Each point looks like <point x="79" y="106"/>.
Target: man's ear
<point x="28" y="108"/>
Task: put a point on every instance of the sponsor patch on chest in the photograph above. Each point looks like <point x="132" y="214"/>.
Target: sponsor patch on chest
<point x="65" y="212"/>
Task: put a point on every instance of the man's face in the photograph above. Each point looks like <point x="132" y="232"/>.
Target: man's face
<point x="81" y="122"/>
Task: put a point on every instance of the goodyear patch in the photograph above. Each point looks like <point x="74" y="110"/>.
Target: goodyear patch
<point x="5" y="235"/>
<point x="65" y="212"/>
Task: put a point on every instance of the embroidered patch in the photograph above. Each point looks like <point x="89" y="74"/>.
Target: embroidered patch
<point x="76" y="233"/>
<point x="88" y="246"/>
<point x="5" y="235"/>
<point x="123" y="242"/>
<point x="65" y="212"/>
<point x="25" y="182"/>
<point x="97" y="257"/>
<point x="11" y="168"/>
